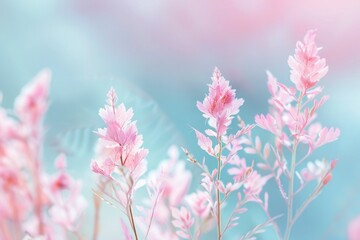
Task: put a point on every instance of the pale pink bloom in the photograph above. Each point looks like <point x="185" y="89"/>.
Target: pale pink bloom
<point x="221" y="104"/>
<point x="67" y="205"/>
<point x="183" y="221"/>
<point x="119" y="143"/>
<point x="307" y="68"/>
<point x="317" y="170"/>
<point x="268" y="123"/>
<point x="353" y="230"/>
<point x="199" y="204"/>
<point x="318" y="136"/>
<point x="176" y="179"/>
<point x="238" y="169"/>
<point x="254" y="184"/>
<point x="32" y="103"/>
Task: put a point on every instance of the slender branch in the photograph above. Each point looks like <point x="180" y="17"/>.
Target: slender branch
<point x="218" y="192"/>
<point x="133" y="222"/>
<point x="313" y="195"/>
<point x="97" y="204"/>
<point x="292" y="175"/>
<point x="276" y="227"/>
<point x="152" y="214"/>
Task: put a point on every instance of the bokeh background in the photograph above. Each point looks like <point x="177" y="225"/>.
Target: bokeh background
<point x="159" y="55"/>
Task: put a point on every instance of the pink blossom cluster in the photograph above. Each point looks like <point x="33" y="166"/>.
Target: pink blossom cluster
<point x="34" y="204"/>
<point x="291" y="120"/>
<point x="169" y="202"/>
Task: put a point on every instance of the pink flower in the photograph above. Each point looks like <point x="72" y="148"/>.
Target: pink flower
<point x="182" y="221"/>
<point x="119" y="143"/>
<point x="354" y="229"/>
<point x="220" y="105"/>
<point x="174" y="180"/>
<point x="317" y="170"/>
<point x="31" y="104"/>
<point x="199" y="203"/>
<point x="239" y="168"/>
<point x="254" y="184"/>
<point x="307" y="68"/>
<point x="318" y="136"/>
<point x="67" y="205"/>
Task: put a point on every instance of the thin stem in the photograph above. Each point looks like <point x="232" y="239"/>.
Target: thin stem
<point x="313" y="195"/>
<point x="218" y="192"/>
<point x="132" y="222"/>
<point x="97" y="203"/>
<point x="276" y="227"/>
<point x="218" y="205"/>
<point x="291" y="194"/>
<point x="292" y="174"/>
<point x="152" y="214"/>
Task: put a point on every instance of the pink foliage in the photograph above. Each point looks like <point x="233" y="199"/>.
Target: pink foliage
<point x="291" y="121"/>
<point x="37" y="205"/>
<point x="32" y="202"/>
<point x="182" y="221"/>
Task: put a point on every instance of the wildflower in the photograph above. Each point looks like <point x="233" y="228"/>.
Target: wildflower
<point x="318" y="170"/>
<point x="307" y="68"/>
<point x="119" y="142"/>
<point x="220" y="105"/>
<point x="31" y="104"/>
<point x="182" y="221"/>
<point x="254" y="184"/>
<point x="199" y="204"/>
<point x="67" y="204"/>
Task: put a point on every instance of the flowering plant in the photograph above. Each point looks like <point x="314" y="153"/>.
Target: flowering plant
<point x="34" y="203"/>
<point x="37" y="205"/>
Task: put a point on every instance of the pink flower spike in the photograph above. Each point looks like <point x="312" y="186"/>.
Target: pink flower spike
<point x="119" y="142"/>
<point x="31" y="104"/>
<point x="307" y="68"/>
<point x="199" y="203"/>
<point x="221" y="104"/>
<point x="182" y="221"/>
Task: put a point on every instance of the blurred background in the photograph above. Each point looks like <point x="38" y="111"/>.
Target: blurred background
<point x="159" y="55"/>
